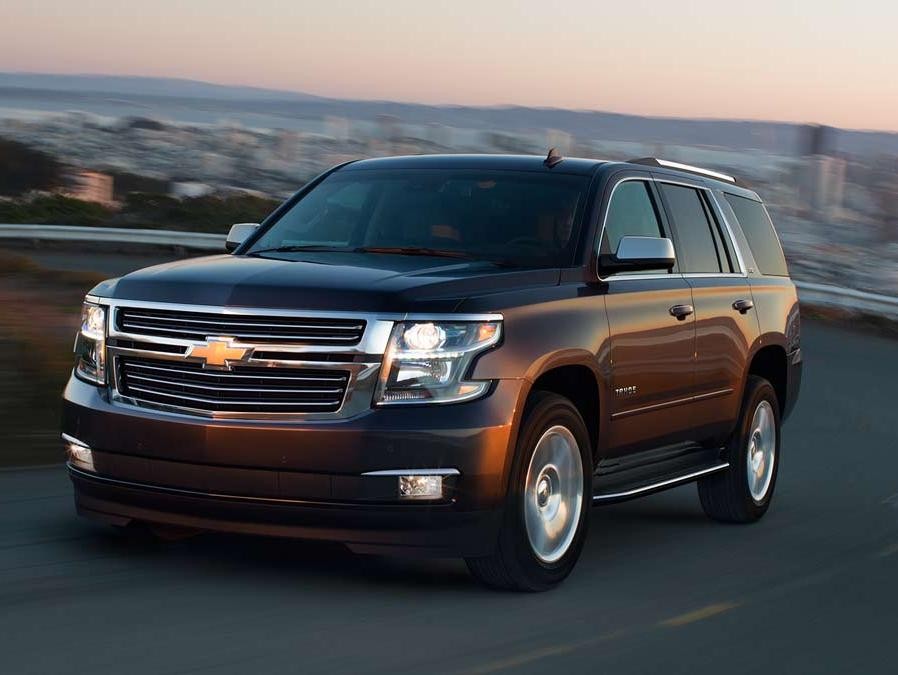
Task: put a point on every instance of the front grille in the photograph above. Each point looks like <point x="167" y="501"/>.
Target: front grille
<point x="243" y="327"/>
<point x="245" y="389"/>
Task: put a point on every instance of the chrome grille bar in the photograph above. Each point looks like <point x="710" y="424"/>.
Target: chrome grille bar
<point x="228" y="388"/>
<point x="235" y="376"/>
<point x="195" y="325"/>
<point x="197" y="399"/>
<point x="243" y="389"/>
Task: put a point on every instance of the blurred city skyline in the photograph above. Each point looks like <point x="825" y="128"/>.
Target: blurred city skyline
<point x="795" y="61"/>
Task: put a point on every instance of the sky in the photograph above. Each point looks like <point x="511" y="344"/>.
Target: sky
<point x="826" y="61"/>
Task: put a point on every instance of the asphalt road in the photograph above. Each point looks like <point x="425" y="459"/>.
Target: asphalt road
<point x="813" y="588"/>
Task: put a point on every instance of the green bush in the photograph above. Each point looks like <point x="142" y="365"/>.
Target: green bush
<point x="200" y="214"/>
<point x="54" y="210"/>
<point x="143" y="210"/>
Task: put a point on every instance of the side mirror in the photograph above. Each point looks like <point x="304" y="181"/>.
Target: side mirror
<point x="639" y="254"/>
<point x="238" y="235"/>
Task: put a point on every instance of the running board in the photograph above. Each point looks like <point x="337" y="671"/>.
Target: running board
<point x="620" y="493"/>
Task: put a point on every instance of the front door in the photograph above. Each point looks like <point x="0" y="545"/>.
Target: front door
<point x="652" y="331"/>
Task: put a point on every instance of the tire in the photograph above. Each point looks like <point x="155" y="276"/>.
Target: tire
<point x="741" y="495"/>
<point x="550" y="482"/>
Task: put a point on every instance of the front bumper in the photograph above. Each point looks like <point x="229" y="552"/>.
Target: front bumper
<point x="300" y="479"/>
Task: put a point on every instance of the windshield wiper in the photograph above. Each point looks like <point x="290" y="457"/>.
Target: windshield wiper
<point x="395" y="250"/>
<point x="301" y="247"/>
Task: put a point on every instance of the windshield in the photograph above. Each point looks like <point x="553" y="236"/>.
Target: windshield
<point x="516" y="218"/>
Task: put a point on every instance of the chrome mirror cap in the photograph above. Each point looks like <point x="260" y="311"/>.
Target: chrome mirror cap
<point x="239" y="234"/>
<point x="653" y="250"/>
<point x="636" y="254"/>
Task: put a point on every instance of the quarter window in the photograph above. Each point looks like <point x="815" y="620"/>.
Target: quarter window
<point x="761" y="236"/>
<point x="631" y="213"/>
<point x="700" y="244"/>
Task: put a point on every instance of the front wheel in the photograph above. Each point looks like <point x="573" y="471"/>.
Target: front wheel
<point x="547" y="505"/>
<point x="742" y="493"/>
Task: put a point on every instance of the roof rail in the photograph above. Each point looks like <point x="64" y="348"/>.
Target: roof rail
<point x="667" y="164"/>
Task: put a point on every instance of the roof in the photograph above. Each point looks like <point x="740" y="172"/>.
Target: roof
<point x="537" y="163"/>
<point x="484" y="162"/>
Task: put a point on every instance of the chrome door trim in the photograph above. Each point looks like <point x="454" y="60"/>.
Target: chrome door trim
<point x="713" y="394"/>
<point x="653" y="406"/>
<point x="668" y="404"/>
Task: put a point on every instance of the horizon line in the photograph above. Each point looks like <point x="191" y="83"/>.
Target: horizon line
<point x="447" y="105"/>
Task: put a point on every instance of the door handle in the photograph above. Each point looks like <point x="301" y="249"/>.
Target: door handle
<point x="681" y="311"/>
<point x="742" y="306"/>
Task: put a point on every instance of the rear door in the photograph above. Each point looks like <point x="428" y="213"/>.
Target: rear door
<point x="726" y="323"/>
<point x="651" y="348"/>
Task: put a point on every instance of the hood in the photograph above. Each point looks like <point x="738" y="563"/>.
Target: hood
<point x="323" y="281"/>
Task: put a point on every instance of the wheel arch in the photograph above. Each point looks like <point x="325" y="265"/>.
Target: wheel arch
<point x="576" y="376"/>
<point x="772" y="363"/>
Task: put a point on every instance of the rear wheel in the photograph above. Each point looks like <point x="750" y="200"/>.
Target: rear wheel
<point x="547" y="505"/>
<point x="742" y="493"/>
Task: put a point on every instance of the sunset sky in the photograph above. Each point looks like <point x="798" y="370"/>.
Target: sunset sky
<point x="833" y="62"/>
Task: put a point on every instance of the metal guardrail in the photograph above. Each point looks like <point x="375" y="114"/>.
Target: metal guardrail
<point x="811" y="293"/>
<point x="848" y="299"/>
<point x="199" y="241"/>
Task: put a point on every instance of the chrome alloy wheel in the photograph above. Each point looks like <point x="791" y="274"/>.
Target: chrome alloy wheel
<point x="553" y="494"/>
<point x="761" y="451"/>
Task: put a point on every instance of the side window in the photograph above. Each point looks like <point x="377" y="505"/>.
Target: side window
<point x="631" y="213"/>
<point x="700" y="251"/>
<point x="761" y="236"/>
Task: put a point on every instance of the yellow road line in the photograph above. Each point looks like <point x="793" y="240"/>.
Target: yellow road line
<point x="699" y="614"/>
<point x="538" y="654"/>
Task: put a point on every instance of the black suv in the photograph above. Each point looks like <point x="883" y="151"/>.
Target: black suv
<point x="450" y="356"/>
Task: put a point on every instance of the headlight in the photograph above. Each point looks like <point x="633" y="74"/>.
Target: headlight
<point x="90" y="344"/>
<point x="426" y="362"/>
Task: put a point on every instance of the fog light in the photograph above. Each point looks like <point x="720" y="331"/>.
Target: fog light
<point x="420" y="487"/>
<point x="78" y="454"/>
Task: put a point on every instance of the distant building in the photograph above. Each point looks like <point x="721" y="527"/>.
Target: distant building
<point x="187" y="190"/>
<point x="816" y="139"/>
<point x="91" y="186"/>
<point x="823" y="185"/>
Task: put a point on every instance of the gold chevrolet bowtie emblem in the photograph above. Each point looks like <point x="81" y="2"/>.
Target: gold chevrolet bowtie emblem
<point x="218" y="353"/>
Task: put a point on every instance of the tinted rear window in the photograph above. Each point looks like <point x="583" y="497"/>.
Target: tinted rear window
<point x="762" y="239"/>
